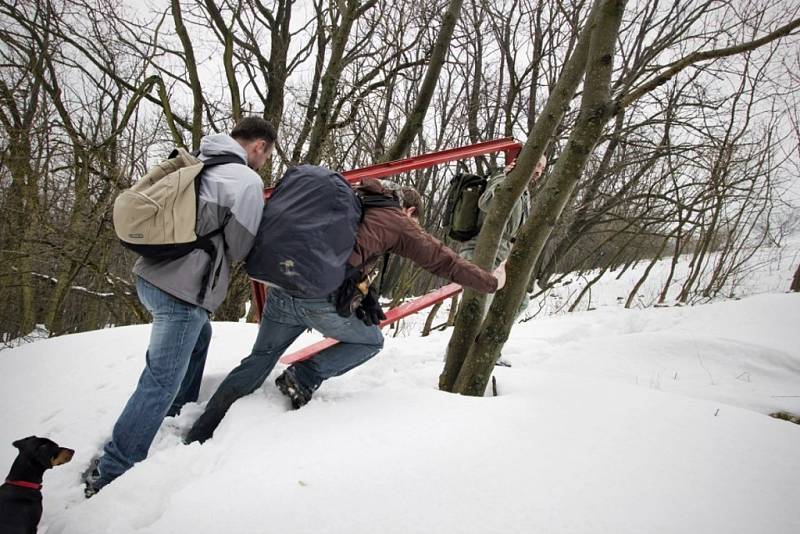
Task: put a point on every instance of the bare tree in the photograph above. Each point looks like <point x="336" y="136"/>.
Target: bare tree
<point x="91" y="94"/>
<point x="470" y="374"/>
<point x="413" y="124"/>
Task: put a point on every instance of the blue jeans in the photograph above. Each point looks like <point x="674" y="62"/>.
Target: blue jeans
<point x="173" y="370"/>
<point x="284" y="318"/>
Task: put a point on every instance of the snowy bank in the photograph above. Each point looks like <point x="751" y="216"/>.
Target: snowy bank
<point x="609" y="421"/>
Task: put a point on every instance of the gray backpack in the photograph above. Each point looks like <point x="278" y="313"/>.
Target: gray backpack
<point x="157" y="217"/>
<point x="308" y="231"/>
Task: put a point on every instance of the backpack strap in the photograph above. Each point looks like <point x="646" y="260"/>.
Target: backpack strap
<point x="204" y="242"/>
<point x="213" y="160"/>
<point x="377" y="201"/>
<point x="383" y="272"/>
<point x="224" y="158"/>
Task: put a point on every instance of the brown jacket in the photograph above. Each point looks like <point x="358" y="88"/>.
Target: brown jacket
<point x="390" y="230"/>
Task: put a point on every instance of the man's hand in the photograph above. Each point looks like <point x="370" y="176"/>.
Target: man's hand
<point x="500" y="275"/>
<point x="370" y="309"/>
<point x="348" y="296"/>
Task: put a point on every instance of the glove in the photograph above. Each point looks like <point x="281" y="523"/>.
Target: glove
<point x="370" y="310"/>
<point x="347" y="296"/>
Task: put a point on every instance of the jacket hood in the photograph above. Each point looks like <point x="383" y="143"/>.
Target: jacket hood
<point x="374" y="187"/>
<point x="220" y="144"/>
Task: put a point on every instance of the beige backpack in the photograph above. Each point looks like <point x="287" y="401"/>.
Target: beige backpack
<point x="157" y="217"/>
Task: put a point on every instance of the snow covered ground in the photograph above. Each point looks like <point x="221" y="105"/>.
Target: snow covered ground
<point x="610" y="421"/>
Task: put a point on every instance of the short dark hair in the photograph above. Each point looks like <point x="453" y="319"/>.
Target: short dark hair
<point x="253" y="128"/>
<point x="410" y="198"/>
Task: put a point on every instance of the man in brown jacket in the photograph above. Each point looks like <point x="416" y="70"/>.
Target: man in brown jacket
<point x="386" y="229"/>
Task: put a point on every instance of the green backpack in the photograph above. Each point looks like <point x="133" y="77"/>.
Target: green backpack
<point x="461" y="213"/>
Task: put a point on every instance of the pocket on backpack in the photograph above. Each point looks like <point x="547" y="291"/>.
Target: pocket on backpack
<point x="465" y="218"/>
<point x="135" y="218"/>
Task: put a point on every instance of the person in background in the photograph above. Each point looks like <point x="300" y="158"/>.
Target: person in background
<point x="519" y="214"/>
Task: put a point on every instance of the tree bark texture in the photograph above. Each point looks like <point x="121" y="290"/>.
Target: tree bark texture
<point x="190" y="63"/>
<point x="595" y="111"/>
<point x="413" y="123"/>
<point x="796" y="281"/>
<point x="471" y="310"/>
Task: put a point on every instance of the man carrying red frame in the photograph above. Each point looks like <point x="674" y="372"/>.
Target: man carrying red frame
<point x="285" y="317"/>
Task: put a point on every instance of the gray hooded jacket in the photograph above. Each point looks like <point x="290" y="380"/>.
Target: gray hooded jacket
<point x="231" y="196"/>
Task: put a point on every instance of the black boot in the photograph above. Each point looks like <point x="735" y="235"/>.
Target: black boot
<point x="203" y="429"/>
<point x="290" y="387"/>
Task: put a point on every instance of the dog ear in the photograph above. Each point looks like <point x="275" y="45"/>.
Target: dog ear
<point x="20" y="443"/>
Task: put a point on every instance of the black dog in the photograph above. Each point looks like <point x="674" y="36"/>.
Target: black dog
<point x="21" y="496"/>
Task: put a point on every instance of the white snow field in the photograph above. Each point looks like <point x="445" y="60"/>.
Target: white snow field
<point x="610" y="421"/>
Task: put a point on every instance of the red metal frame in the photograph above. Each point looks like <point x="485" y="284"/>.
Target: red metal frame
<point x="508" y="145"/>
<point x="393" y="315"/>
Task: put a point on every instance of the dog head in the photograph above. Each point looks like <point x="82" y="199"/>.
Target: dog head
<point x="43" y="451"/>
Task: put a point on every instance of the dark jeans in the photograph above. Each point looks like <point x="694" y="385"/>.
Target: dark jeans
<point x="284" y="318"/>
<point x="171" y="377"/>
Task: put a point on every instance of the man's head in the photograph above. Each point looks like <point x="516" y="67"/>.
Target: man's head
<point x="538" y="169"/>
<point x="410" y="202"/>
<point x="257" y="136"/>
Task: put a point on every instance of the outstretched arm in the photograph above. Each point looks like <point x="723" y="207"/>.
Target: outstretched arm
<point x="434" y="256"/>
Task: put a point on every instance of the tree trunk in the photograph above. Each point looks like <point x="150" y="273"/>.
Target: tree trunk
<point x="330" y="80"/>
<point x="23" y="219"/>
<point x="451" y="315"/>
<point x="596" y="109"/>
<point x="470" y="315"/>
<point x="414" y="122"/>
<point x="194" y="79"/>
<point x="646" y="274"/>
<point x="280" y="38"/>
<point x="796" y="281"/>
<point x="239" y="290"/>
<point x="227" y="59"/>
<point x="77" y="242"/>
<point x="699" y="259"/>
<point x="426" y="330"/>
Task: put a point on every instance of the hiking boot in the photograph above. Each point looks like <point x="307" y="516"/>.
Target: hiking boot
<point x="203" y="429"/>
<point x="91" y="478"/>
<point x="289" y="386"/>
<point x="90" y="490"/>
